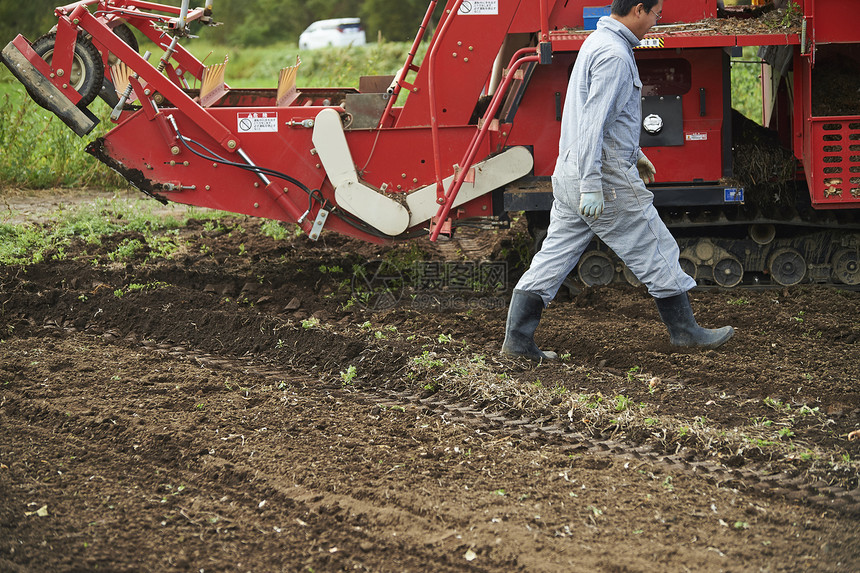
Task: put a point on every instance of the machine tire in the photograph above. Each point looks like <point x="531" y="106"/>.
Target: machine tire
<point x="108" y="91"/>
<point x="124" y="33"/>
<point x="86" y="76"/>
<point x="596" y="268"/>
<point x="787" y="267"/>
<point x="631" y="278"/>
<point x="728" y="272"/>
<point x="846" y="266"/>
<point x="689" y="266"/>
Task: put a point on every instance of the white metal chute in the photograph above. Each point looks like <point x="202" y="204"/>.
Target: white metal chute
<point x="365" y="202"/>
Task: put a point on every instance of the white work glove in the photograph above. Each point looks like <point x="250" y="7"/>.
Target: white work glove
<point x="646" y="170"/>
<point x="591" y="204"/>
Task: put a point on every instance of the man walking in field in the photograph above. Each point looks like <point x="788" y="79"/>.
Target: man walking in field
<point x="599" y="189"/>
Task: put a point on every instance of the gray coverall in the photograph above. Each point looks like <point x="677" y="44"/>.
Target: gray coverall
<point x="598" y="150"/>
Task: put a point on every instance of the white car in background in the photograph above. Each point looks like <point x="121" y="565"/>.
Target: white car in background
<point x="335" y="32"/>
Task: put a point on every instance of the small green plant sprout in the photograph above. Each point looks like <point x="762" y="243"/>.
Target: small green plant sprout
<point x="846" y="458"/>
<point x="428" y="360"/>
<point x="799" y="316"/>
<point x="738" y="301"/>
<point x="807" y="411"/>
<point x="200" y="406"/>
<point x="565" y="357"/>
<point x="701" y="421"/>
<point x="445" y="339"/>
<point x="776" y="404"/>
<point x="366" y="325"/>
<point x="311" y="322"/>
<point x="274" y="230"/>
<point x="684" y="431"/>
<point x="741" y="525"/>
<point x="667" y="484"/>
<point x="379" y="335"/>
<point x="632" y="372"/>
<point x="595" y="511"/>
<point x="537" y="383"/>
<point x="126" y="250"/>
<point x="348" y="376"/>
<point x="500" y="491"/>
<point x="622" y="403"/>
<point x="592" y="401"/>
<point x="651" y="421"/>
<point x="785" y="433"/>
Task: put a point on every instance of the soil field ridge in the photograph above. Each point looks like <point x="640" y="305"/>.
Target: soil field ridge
<point x="247" y="405"/>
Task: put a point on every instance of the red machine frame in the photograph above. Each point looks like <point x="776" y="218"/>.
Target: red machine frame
<point x="433" y="135"/>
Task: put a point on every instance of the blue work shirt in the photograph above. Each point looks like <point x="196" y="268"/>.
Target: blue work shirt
<point x="602" y="110"/>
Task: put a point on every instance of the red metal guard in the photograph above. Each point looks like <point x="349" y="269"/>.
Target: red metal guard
<point x="472" y="150"/>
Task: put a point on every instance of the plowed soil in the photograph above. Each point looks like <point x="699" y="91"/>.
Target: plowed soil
<point x="252" y="404"/>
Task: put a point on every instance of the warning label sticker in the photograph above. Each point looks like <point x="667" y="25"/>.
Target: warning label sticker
<point x="700" y="136"/>
<point x="652" y="43"/>
<point x="479" y="7"/>
<point x="257" y="122"/>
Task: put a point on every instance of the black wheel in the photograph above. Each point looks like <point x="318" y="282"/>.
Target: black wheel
<point x="728" y="272"/>
<point x="596" y="268"/>
<point x="688" y="266"/>
<point x="846" y="266"/>
<point x="125" y="34"/>
<point x="630" y="277"/>
<point x="787" y="267"/>
<point x="87" y="73"/>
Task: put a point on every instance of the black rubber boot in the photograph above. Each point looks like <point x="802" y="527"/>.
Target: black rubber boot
<point x="523" y="318"/>
<point x="677" y="315"/>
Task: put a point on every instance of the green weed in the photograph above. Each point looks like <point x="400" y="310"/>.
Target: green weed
<point x="348" y="376"/>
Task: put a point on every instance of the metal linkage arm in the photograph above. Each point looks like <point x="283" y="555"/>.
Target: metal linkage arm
<point x="472" y="150"/>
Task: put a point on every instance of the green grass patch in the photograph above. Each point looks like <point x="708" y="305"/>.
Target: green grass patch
<point x="746" y="84"/>
<point x="31" y="243"/>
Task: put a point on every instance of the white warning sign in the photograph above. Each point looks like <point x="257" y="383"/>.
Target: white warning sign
<point x="257" y="122"/>
<point x="479" y="8"/>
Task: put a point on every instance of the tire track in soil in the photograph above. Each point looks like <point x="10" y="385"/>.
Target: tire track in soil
<point x="256" y="476"/>
<point x="233" y="493"/>
<point x="444" y="464"/>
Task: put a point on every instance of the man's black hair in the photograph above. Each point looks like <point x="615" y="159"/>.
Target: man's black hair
<point x="623" y="7"/>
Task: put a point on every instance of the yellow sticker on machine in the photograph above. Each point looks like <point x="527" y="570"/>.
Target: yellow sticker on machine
<point x="652" y="43"/>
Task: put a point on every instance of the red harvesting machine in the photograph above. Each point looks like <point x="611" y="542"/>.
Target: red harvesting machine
<point x="471" y="133"/>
